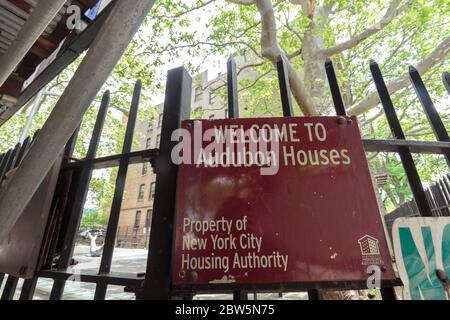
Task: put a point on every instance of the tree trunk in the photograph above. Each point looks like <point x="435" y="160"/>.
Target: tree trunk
<point x="314" y="75"/>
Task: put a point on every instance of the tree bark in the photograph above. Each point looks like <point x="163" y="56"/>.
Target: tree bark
<point x="314" y="72"/>
<point x="271" y="50"/>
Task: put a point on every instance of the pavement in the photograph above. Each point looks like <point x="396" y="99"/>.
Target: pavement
<point x="125" y="261"/>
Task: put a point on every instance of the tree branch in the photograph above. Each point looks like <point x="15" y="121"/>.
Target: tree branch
<point x="290" y="28"/>
<point x="434" y="58"/>
<point x="243" y="2"/>
<point x="348" y="7"/>
<point x="188" y="10"/>
<point x="373" y="118"/>
<point x="271" y="50"/>
<point x="305" y="4"/>
<point x="392" y="12"/>
<point x="294" y="54"/>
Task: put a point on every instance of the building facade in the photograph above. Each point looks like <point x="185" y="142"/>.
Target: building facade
<point x="137" y="205"/>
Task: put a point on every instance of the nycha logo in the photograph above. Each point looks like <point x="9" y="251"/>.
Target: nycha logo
<point x="369" y="246"/>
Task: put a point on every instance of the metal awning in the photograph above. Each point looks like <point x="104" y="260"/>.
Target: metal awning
<point x="13" y="15"/>
<point x="69" y="49"/>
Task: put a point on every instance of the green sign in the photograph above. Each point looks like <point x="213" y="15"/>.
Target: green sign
<point x="422" y="246"/>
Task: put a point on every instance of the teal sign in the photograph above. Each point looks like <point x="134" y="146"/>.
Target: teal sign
<point x="422" y="246"/>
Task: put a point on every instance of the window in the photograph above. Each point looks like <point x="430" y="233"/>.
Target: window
<point x="144" y="168"/>
<point x="158" y="140"/>
<point x="198" y="94"/>
<point x="152" y="191"/>
<point x="211" y="116"/>
<point x="137" y="219"/>
<point x="212" y="97"/>
<point x="148" y="143"/>
<point x="141" y="192"/>
<point x="150" y="124"/>
<point x="160" y="119"/>
<point x="148" y="219"/>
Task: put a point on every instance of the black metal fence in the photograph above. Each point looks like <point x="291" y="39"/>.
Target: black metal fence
<point x="8" y="162"/>
<point x="156" y="282"/>
<point x="438" y="196"/>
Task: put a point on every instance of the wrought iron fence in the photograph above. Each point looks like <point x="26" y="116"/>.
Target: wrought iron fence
<point x="438" y="196"/>
<point x="75" y="176"/>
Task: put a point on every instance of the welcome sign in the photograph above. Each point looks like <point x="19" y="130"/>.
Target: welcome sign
<point x="273" y="201"/>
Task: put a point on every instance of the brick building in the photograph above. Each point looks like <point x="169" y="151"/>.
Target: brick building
<point x="137" y="206"/>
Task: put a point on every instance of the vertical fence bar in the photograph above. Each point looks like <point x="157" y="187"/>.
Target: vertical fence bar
<point x="36" y="133"/>
<point x="397" y="132"/>
<point x="338" y="101"/>
<point x="11" y="161"/>
<point x="23" y="150"/>
<point x="232" y="86"/>
<point x="70" y="147"/>
<point x="10" y="288"/>
<point x="58" y="285"/>
<point x="441" y="183"/>
<point x="29" y="285"/>
<point x="435" y="202"/>
<point x="74" y="211"/>
<point x="339" y="105"/>
<point x="440" y="200"/>
<point x="111" y="230"/>
<point x="233" y="113"/>
<point x="2" y="157"/>
<point x="6" y="163"/>
<point x="447" y="182"/>
<point x="446" y="80"/>
<point x="285" y="88"/>
<point x="431" y="201"/>
<point x="28" y="289"/>
<point x="286" y="103"/>
<point x="404" y="153"/>
<point x="445" y="198"/>
<point x="430" y="110"/>
<point x="157" y="284"/>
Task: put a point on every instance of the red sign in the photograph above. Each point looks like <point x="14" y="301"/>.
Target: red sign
<point x="301" y="210"/>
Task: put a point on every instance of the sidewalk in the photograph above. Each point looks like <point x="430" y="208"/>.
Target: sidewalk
<point x="128" y="261"/>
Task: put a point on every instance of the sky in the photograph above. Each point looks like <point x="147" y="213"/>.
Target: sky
<point x="214" y="64"/>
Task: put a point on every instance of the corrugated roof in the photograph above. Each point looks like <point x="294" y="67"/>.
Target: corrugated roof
<point x="13" y="15"/>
